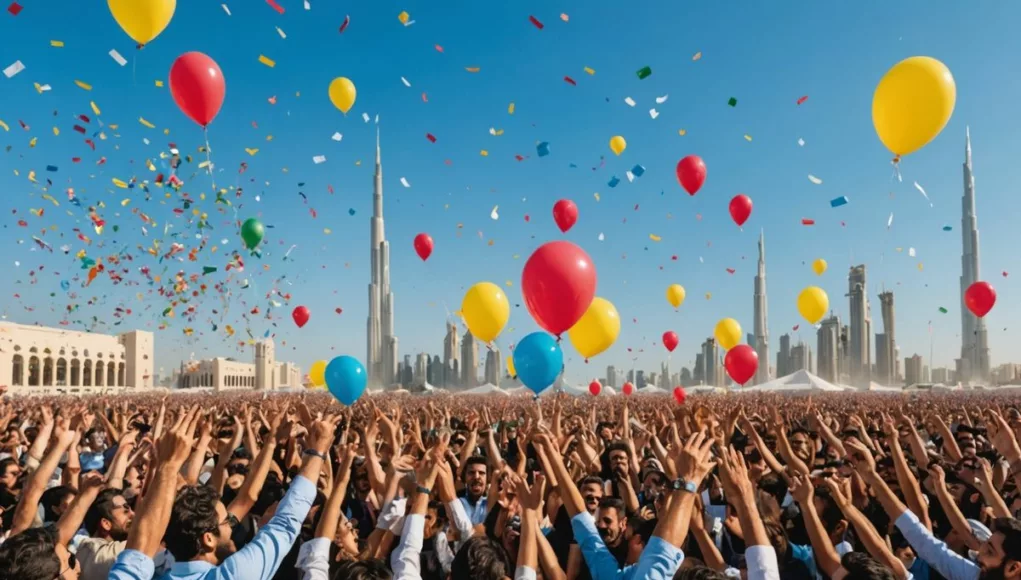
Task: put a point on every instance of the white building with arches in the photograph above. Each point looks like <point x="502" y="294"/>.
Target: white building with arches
<point x="44" y="360"/>
<point x="227" y="374"/>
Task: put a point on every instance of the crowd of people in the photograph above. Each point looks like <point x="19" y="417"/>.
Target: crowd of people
<point x="288" y="486"/>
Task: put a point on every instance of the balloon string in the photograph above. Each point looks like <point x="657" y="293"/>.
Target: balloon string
<point x="896" y="169"/>
<point x="209" y="161"/>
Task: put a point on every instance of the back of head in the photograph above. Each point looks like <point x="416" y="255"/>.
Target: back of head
<point x="362" y="570"/>
<point x="480" y="558"/>
<point x="30" y="556"/>
<point x="701" y="572"/>
<point x="194" y="514"/>
<point x="861" y="566"/>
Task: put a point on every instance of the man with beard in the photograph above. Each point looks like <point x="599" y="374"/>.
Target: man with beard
<point x="107" y="523"/>
<point x="999" y="557"/>
<point x="198" y="534"/>
<point x="476" y="481"/>
<point x="611" y="523"/>
<point x="361" y="505"/>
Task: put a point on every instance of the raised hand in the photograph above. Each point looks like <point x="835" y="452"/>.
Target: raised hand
<point x="175" y="445"/>
<point x="861" y="458"/>
<point x="530" y="497"/>
<point x="734" y="475"/>
<point x="693" y="461"/>
<point x="802" y="489"/>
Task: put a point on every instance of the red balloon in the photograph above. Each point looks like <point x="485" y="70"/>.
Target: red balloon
<point x="740" y="208"/>
<point x="670" y="340"/>
<point x="594" y="387"/>
<point x="558" y="283"/>
<point x="741" y="363"/>
<point x="424" y="246"/>
<point x="628" y="389"/>
<point x="301" y="315"/>
<point x="691" y="173"/>
<point x="565" y="213"/>
<point x="197" y="85"/>
<point x="980" y="298"/>
<point x="680" y="395"/>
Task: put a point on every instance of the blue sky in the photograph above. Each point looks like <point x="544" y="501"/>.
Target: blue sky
<point x="766" y="55"/>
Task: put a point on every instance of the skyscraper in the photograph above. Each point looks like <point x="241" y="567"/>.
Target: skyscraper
<point x="828" y="357"/>
<point x="888" y="371"/>
<point x="381" y="347"/>
<point x="861" y="327"/>
<point x="494" y="366"/>
<point x="469" y="361"/>
<point x="761" y="329"/>
<point x="974" y="340"/>
<point x="664" y="376"/>
<point x="711" y="360"/>
<point x="783" y="356"/>
<point x="913" y="372"/>
<point x="451" y="356"/>
<point x="611" y="376"/>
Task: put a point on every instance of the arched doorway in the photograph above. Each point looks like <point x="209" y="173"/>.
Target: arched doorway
<point x="61" y="372"/>
<point x="33" y="371"/>
<point x="18" y="370"/>
<point x="87" y="373"/>
<point x="76" y="373"/>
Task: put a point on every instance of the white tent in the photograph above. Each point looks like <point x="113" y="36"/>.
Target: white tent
<point x="651" y="390"/>
<point x="703" y="390"/>
<point x="878" y="388"/>
<point x="801" y="380"/>
<point x="486" y="389"/>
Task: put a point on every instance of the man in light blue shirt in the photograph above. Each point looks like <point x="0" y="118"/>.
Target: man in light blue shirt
<point x="475" y="502"/>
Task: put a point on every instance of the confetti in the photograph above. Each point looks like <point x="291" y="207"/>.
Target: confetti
<point x="638" y="170"/>
<point x="484" y="153"/>
<point x="613" y="181"/>
<point x="495" y="132"/>
<point x="337" y="137"/>
<point x="911" y="252"/>
<point x="889" y="221"/>
<point x="266" y="61"/>
<point x="493" y="214"/>
<point x="14" y="69"/>
<point x="251" y="152"/>
<point x="732" y="102"/>
<point x="630" y="102"/>
<point x="948" y="228"/>
<point x="430" y="137"/>
<point x="405" y="81"/>
<point x="807" y="222"/>
<point x="589" y="70"/>
<point x="570" y="81"/>
<point x="814" y="179"/>
<point x="57" y="43"/>
<point x="365" y="117"/>
<point x="535" y="21"/>
<point x="120" y="183"/>
<point x="922" y="191"/>
<point x="95" y="108"/>
<point x="281" y="33"/>
<point x="14" y="8"/>
<point x="225" y="9"/>
<point x="838" y="201"/>
<point x="83" y="85"/>
<point x="654" y="237"/>
<point x="682" y="132"/>
<point x="472" y="69"/>
<point x="661" y="100"/>
<point x="510" y="109"/>
<point x="146" y="123"/>
<point x="319" y="159"/>
<point x="403" y="17"/>
<point x="542" y="149"/>
<point x="802" y="99"/>
<point x="697" y="56"/>
<point x="601" y="237"/>
<point x="116" y="56"/>
<point x="747" y="137"/>
<point x="801" y="142"/>
<point x="644" y="72"/>
<point x="942" y="310"/>
<point x="653" y="113"/>
<point x="343" y="25"/>
<point x="308" y="5"/>
<point x="404" y="182"/>
<point x="275" y="6"/>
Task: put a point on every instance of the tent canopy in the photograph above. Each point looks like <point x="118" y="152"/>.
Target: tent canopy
<point x="486" y="389"/>
<point x="801" y="380"/>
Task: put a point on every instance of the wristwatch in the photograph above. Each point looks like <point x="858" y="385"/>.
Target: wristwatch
<point x="311" y="451"/>
<point x="682" y="484"/>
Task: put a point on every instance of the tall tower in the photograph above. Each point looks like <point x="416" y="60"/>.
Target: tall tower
<point x="974" y="340"/>
<point x="451" y="355"/>
<point x="761" y="316"/>
<point x="469" y="361"/>
<point x="264" y="365"/>
<point x="828" y="345"/>
<point x="861" y="327"/>
<point x="890" y="341"/>
<point x="494" y="366"/>
<point x="381" y="344"/>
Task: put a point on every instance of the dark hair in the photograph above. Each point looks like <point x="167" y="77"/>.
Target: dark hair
<point x="618" y="446"/>
<point x="481" y="558"/>
<point x="642" y="528"/>
<point x="241" y="453"/>
<point x="831" y="514"/>
<point x="774" y="485"/>
<point x="30" y="555"/>
<point x="861" y="566"/>
<point x="362" y="570"/>
<point x="698" y="573"/>
<point x="1011" y="530"/>
<point x="194" y="514"/>
<point x="589" y="480"/>
<point x="5" y="462"/>
<point x="51" y="498"/>
<point x="474" y="460"/>
<point x="615" y="503"/>
<point x="101" y="509"/>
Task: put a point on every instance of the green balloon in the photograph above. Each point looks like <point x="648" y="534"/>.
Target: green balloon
<point x="252" y="232"/>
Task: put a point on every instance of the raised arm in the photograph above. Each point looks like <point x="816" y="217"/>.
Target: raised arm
<point x="248" y="494"/>
<point x="874" y="543"/>
<point x="28" y="505"/>
<point x="825" y="554"/>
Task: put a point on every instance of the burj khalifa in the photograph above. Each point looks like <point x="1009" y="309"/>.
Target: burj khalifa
<point x="381" y="344"/>
<point x="974" y="361"/>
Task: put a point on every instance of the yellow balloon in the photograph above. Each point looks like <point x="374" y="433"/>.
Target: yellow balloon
<point x="317" y="374"/>
<point x="728" y="333"/>
<point x="913" y="103"/>
<point x="343" y="94"/>
<point x="597" y="329"/>
<point x="813" y="304"/>
<point x="675" y="295"/>
<point x="618" y="144"/>
<point x="819" y="267"/>
<point x="143" y="20"/>
<point x="485" y="309"/>
<point x="510" y="366"/>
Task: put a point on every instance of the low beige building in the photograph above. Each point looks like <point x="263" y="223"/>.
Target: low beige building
<point x="43" y="360"/>
<point x="224" y="374"/>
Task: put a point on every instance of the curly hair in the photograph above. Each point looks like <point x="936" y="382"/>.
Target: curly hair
<point x="482" y="559"/>
<point x="194" y="514"/>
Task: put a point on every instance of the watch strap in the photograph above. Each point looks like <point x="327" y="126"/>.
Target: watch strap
<point x="315" y="453"/>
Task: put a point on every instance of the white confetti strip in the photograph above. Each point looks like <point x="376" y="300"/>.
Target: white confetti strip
<point x="14" y="69"/>
<point x="661" y="100"/>
<point x="365" y="117"/>
<point x="307" y="5"/>
<point x="889" y="221"/>
<point x="116" y="56"/>
<point x="225" y="9"/>
<point x="319" y="159"/>
<point x="814" y="179"/>
<point x="922" y="191"/>
<point x="281" y="33"/>
<point x="406" y="82"/>
<point x="493" y="214"/>
<point x="653" y="113"/>
<point x="630" y="102"/>
<point x="911" y="252"/>
<point x="630" y="176"/>
<point x="601" y="236"/>
<point x="337" y="137"/>
<point x="801" y="142"/>
<point x="404" y="182"/>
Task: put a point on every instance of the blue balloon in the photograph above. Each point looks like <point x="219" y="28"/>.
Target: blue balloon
<point x="345" y="378"/>
<point x="538" y="361"/>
